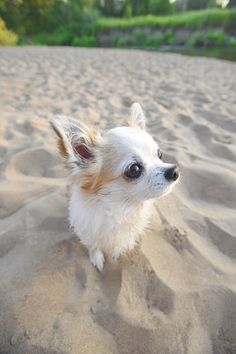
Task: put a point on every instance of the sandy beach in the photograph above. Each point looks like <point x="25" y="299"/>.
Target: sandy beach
<point x="176" y="293"/>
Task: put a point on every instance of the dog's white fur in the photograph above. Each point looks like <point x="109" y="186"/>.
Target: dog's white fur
<point x="107" y="210"/>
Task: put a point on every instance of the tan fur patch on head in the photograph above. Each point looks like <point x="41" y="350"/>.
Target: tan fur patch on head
<point x="92" y="181"/>
<point x="99" y="172"/>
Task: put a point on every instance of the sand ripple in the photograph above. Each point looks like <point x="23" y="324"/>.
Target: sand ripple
<point x="176" y="294"/>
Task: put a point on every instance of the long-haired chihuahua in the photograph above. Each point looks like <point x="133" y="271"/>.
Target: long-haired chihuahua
<point x="114" y="178"/>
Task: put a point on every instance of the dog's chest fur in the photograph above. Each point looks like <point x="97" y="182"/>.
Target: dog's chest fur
<point x="103" y="224"/>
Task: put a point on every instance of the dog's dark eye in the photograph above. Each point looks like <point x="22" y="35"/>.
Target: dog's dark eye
<point x="159" y="154"/>
<point x="134" y="171"/>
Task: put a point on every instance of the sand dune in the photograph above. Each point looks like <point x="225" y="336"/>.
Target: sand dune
<point x="177" y="292"/>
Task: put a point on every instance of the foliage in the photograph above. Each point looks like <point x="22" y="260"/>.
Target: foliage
<point x="7" y="37"/>
<point x="160" y="7"/>
<point x="112" y="7"/>
<point x="228" y="53"/>
<point x="168" y="37"/>
<point x="153" y="41"/>
<point x="63" y="36"/>
<point x="209" y="39"/>
<point x="186" y="5"/>
<point x="210" y="18"/>
<point x="132" y="23"/>
<point x="33" y="17"/>
<point x="84" y="41"/>
<point x="30" y="17"/>
<point x="120" y="42"/>
<point x="139" y="39"/>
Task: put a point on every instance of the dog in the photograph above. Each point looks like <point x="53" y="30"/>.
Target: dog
<point x="114" y="178"/>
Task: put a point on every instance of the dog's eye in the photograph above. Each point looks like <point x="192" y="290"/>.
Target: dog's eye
<point x="159" y="154"/>
<point x="134" y="171"/>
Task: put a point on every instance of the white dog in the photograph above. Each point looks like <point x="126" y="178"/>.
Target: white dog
<point x="114" y="177"/>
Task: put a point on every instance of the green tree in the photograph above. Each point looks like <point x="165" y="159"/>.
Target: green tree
<point x="139" y="7"/>
<point x="185" y="5"/>
<point x="160" y="7"/>
<point x="35" y="16"/>
<point x="112" y="7"/>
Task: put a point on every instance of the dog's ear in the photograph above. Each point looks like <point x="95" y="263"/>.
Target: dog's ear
<point x="137" y="117"/>
<point x="76" y="141"/>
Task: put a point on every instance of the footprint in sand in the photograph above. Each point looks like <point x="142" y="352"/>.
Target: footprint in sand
<point x="184" y="120"/>
<point x="176" y="238"/>
<point x="211" y="186"/>
<point x="213" y="142"/>
<point x="223" y="240"/>
<point x="36" y="162"/>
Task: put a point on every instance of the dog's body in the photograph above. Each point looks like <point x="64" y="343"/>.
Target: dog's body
<point x="114" y="179"/>
<point x="103" y="225"/>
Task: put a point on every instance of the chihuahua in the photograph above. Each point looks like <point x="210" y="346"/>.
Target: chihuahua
<point x="114" y="178"/>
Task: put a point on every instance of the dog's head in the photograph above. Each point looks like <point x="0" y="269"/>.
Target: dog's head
<point x="124" y="163"/>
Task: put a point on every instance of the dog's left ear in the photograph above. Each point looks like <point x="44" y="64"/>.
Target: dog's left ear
<point x="137" y="117"/>
<point x="76" y="141"/>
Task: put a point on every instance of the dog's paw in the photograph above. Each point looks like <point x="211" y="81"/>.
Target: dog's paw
<point x="97" y="259"/>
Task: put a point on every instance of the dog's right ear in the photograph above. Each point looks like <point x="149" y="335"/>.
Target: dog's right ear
<point x="76" y="141"/>
<point x="137" y="117"/>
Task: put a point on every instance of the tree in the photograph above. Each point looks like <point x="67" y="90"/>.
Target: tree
<point x="112" y="7"/>
<point x="139" y="7"/>
<point x="185" y="5"/>
<point x="160" y="7"/>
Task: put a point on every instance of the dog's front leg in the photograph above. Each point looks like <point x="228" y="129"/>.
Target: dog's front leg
<point x="97" y="258"/>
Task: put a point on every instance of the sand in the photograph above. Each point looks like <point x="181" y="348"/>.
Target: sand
<point x="177" y="292"/>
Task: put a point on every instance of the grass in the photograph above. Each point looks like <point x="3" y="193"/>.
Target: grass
<point x="84" y="41"/>
<point x="218" y="53"/>
<point x="211" y="18"/>
<point x="208" y="39"/>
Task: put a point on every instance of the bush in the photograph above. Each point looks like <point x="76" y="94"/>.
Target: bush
<point x="62" y="36"/>
<point x="84" y="41"/>
<point x="211" y="18"/>
<point x="209" y="39"/>
<point x="232" y="42"/>
<point x="120" y="42"/>
<point x="7" y="37"/>
<point x="168" y="37"/>
<point x="139" y="37"/>
<point x="153" y="41"/>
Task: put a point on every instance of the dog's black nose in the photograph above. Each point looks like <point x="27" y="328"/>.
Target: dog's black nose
<point x="172" y="173"/>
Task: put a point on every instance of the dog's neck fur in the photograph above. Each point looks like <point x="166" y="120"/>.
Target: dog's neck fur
<point x="101" y="219"/>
